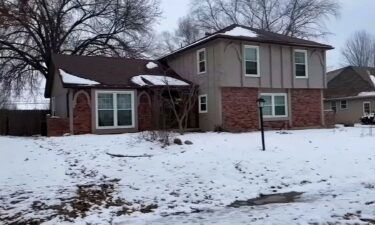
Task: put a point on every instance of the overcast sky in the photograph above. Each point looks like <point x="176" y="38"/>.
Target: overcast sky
<point x="355" y="15"/>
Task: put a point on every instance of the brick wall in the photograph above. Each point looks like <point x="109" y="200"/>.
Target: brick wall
<point x="276" y="125"/>
<point x="239" y="109"/>
<point x="144" y="113"/>
<point x="329" y="118"/>
<point x="57" y="126"/>
<point x="82" y="113"/>
<point x="306" y="107"/>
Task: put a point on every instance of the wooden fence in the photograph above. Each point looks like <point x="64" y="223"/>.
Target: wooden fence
<point x="23" y="122"/>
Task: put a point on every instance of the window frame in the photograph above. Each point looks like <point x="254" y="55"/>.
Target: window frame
<point x="363" y="107"/>
<point x="200" y="103"/>
<point x="306" y="64"/>
<point x="115" y="110"/>
<point x="346" y="104"/>
<point x="273" y="95"/>
<point x="258" y="60"/>
<point x="205" y="61"/>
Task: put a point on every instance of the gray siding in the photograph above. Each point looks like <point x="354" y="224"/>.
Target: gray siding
<point x="354" y="111"/>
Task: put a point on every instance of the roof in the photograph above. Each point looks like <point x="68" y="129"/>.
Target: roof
<point x="240" y="32"/>
<point x="108" y="72"/>
<point x="350" y="81"/>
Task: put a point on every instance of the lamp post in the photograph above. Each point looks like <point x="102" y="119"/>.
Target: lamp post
<point x="261" y="102"/>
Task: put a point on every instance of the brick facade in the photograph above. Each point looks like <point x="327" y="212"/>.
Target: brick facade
<point x="57" y="126"/>
<point x="306" y="107"/>
<point x="239" y="109"/>
<point x="82" y="113"/>
<point x="277" y="125"/>
<point x="144" y="112"/>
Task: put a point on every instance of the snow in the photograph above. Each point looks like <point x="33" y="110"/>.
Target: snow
<point x="333" y="167"/>
<point x="72" y="79"/>
<point x="151" y="65"/>
<point x="369" y="93"/>
<point x="372" y="77"/>
<point x="157" y="80"/>
<point x="239" y="31"/>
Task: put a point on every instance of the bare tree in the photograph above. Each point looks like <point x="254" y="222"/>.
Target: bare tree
<point x="187" y="31"/>
<point x="296" y="18"/>
<point x="32" y="30"/>
<point x="360" y="49"/>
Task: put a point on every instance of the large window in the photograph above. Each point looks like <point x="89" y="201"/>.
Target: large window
<point x="203" y="104"/>
<point x="366" y="108"/>
<point x="251" y="61"/>
<point x="275" y="105"/>
<point x="201" y="61"/>
<point x="300" y="64"/>
<point x="115" y="109"/>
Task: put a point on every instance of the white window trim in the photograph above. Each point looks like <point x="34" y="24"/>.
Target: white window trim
<point x="347" y="105"/>
<point x="306" y="64"/>
<point x="258" y="61"/>
<point x="363" y="107"/>
<point x="199" y="104"/>
<point x="273" y="104"/>
<point x="205" y="61"/>
<point x="115" y="120"/>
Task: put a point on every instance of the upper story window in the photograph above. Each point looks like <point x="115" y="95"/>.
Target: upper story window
<point x="201" y="61"/>
<point x="275" y="105"/>
<point x="251" y="61"/>
<point x="343" y="104"/>
<point x="203" y="104"/>
<point x="300" y="63"/>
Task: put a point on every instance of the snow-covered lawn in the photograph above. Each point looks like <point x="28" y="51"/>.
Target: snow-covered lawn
<point x="190" y="184"/>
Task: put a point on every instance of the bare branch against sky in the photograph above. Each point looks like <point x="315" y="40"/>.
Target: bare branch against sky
<point x="32" y="30"/>
<point x="360" y="49"/>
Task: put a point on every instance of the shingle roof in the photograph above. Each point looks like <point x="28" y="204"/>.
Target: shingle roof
<point x="260" y="36"/>
<point x="350" y="82"/>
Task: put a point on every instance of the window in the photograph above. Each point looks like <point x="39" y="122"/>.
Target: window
<point x="275" y="105"/>
<point x="343" y="104"/>
<point x="251" y="61"/>
<point x="366" y="108"/>
<point x="333" y="106"/>
<point x="300" y="64"/>
<point x="115" y="109"/>
<point x="201" y="61"/>
<point x="203" y="104"/>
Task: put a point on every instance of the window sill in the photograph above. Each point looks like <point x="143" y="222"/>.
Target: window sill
<point x="201" y="73"/>
<point x="203" y="112"/>
<point x="116" y="127"/>
<point x="275" y="118"/>
<point x="301" y="77"/>
<point x="249" y="75"/>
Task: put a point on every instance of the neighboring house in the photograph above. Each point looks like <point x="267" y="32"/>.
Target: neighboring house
<point x="350" y="93"/>
<point x="233" y="68"/>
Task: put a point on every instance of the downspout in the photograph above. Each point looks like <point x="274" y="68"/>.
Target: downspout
<point x="71" y="116"/>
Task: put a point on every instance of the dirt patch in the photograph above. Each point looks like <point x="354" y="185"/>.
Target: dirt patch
<point x="268" y="199"/>
<point x="89" y="197"/>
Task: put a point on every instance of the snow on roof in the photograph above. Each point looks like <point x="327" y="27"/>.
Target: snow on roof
<point x="240" y="31"/>
<point x="372" y="77"/>
<point x="151" y="65"/>
<point x="367" y="93"/>
<point x="157" y="80"/>
<point x="72" y="79"/>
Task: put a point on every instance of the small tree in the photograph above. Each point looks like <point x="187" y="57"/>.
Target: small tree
<point x="181" y="100"/>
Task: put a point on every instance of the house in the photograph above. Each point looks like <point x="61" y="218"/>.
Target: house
<point x="350" y="93"/>
<point x="232" y="67"/>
